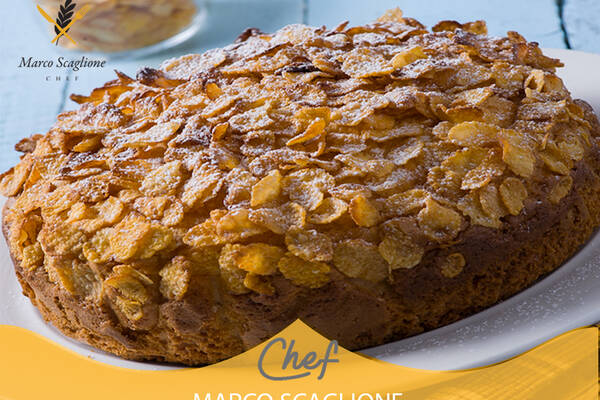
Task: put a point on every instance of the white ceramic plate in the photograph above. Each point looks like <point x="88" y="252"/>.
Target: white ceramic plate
<point x="567" y="299"/>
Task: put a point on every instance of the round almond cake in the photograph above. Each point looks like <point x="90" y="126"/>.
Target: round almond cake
<point x="375" y="181"/>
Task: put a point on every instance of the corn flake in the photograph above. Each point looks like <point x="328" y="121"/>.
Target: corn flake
<point x="280" y="220"/>
<point x="572" y="147"/>
<point x="164" y="180"/>
<point x="213" y="90"/>
<point x="439" y="222"/>
<point x="205" y="183"/>
<point x="364" y="62"/>
<point x="555" y="160"/>
<point x="481" y="175"/>
<point x="98" y="250"/>
<point x="110" y="210"/>
<point x="470" y="206"/>
<point x="491" y="204"/>
<point x="306" y="186"/>
<point x="13" y="181"/>
<point x="517" y="156"/>
<point x="363" y="212"/>
<point x="236" y="225"/>
<point x="400" y="251"/>
<point x="408" y="56"/>
<point x="314" y="130"/>
<point x="257" y="258"/>
<point x="357" y="258"/>
<point x="136" y="237"/>
<point x="173" y="215"/>
<point x="561" y="189"/>
<point x="407" y="202"/>
<point x="309" y="244"/>
<point x="203" y="235"/>
<point x="267" y="189"/>
<point x="175" y="278"/>
<point x="402" y="155"/>
<point x="513" y="192"/>
<point x="130" y="289"/>
<point x="328" y="211"/>
<point x="259" y="284"/>
<point x="219" y="131"/>
<point x="159" y="133"/>
<point x="453" y="265"/>
<point x="474" y="134"/>
<point x="304" y="273"/>
<point x="233" y="277"/>
<point x="32" y="256"/>
<point x="151" y="207"/>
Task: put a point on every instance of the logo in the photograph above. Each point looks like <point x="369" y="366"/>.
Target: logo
<point x="301" y="367"/>
<point x="65" y="19"/>
<point x="65" y="67"/>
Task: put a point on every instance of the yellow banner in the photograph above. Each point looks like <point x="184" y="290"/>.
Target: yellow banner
<point x="297" y="364"/>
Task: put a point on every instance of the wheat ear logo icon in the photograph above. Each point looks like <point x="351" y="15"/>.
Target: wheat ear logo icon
<point x="65" y="19"/>
<point x="65" y="14"/>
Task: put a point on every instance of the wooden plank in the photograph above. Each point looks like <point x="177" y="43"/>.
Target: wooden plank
<point x="537" y="20"/>
<point x="580" y="18"/>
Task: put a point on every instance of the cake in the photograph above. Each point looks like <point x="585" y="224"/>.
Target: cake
<point x="374" y="181"/>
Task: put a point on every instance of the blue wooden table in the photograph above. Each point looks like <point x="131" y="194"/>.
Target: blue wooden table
<point x="29" y="102"/>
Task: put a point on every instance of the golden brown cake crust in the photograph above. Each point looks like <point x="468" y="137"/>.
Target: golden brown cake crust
<point x="374" y="181"/>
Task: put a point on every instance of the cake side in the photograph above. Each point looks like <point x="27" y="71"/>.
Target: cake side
<point x="375" y="181"/>
<point x="358" y="316"/>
